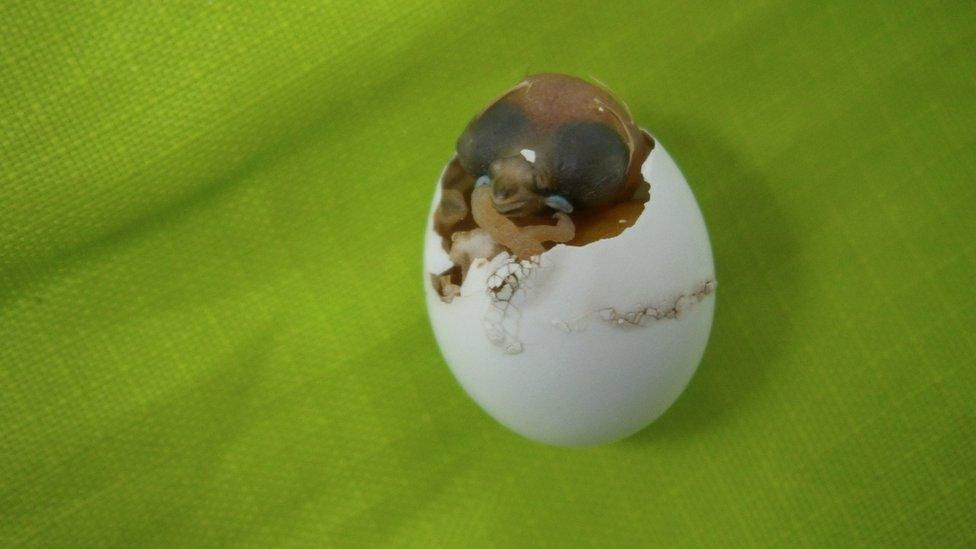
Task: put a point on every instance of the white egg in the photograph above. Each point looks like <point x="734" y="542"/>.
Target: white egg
<point x="584" y="345"/>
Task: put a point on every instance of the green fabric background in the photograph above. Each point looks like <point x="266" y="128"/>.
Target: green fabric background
<point x="211" y="319"/>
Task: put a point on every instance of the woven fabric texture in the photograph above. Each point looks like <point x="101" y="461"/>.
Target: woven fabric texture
<point x="212" y="328"/>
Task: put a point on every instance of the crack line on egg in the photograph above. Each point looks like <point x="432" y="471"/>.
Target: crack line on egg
<point x="501" y="321"/>
<point x="666" y="309"/>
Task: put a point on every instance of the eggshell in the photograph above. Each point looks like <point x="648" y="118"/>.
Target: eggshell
<point x="584" y="345"/>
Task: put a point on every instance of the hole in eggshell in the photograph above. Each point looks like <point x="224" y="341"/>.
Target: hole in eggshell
<point x="453" y="218"/>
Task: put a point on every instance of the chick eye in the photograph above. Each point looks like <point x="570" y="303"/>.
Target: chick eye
<point x="589" y="163"/>
<point x="488" y="136"/>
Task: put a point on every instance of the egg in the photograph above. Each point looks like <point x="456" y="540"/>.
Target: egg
<point x="591" y="338"/>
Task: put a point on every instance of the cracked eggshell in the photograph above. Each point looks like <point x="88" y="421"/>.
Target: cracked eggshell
<point x="603" y="337"/>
